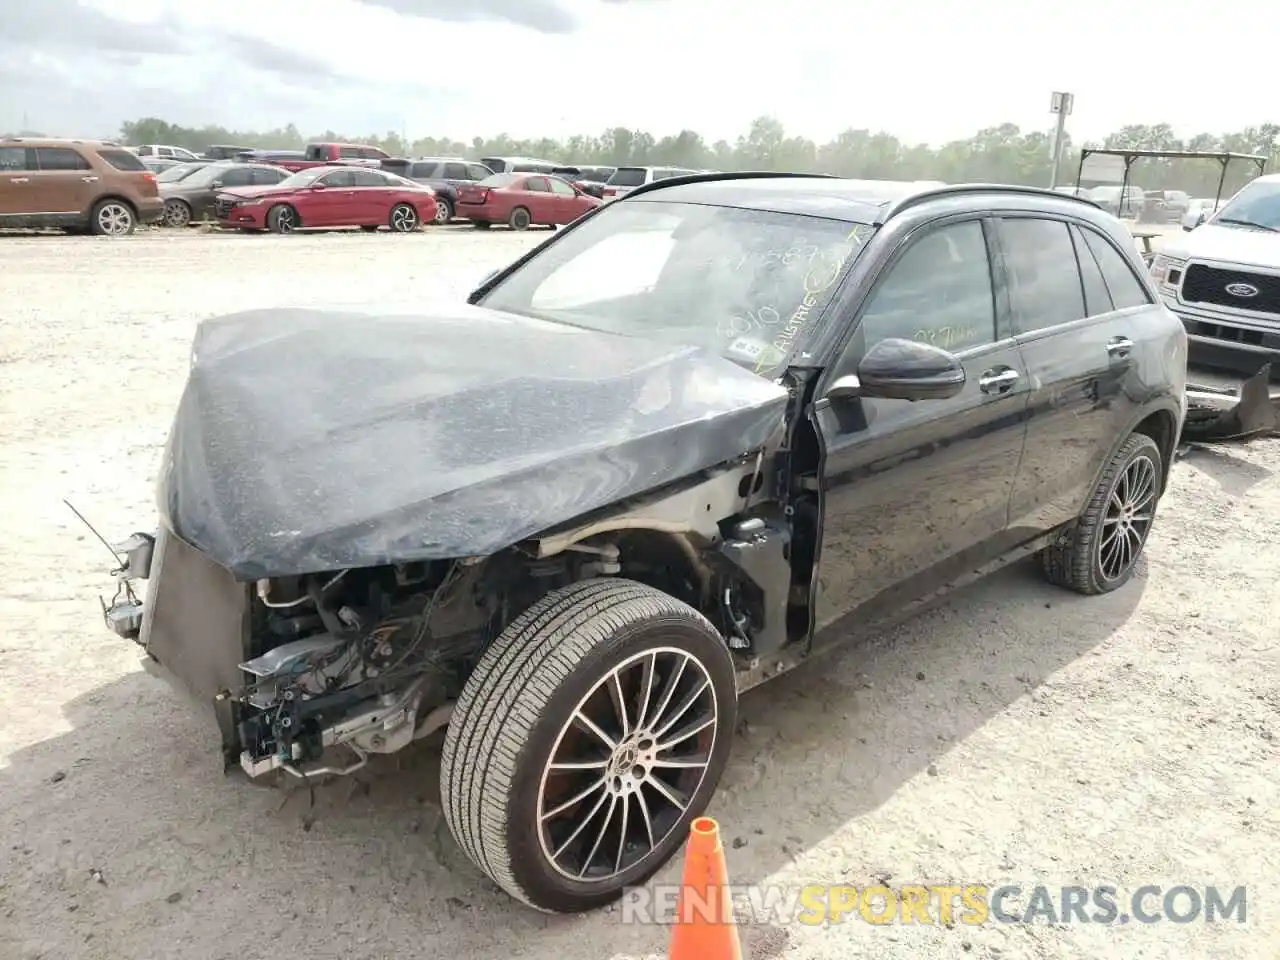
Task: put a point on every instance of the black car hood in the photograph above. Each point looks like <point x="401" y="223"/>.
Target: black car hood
<point x="310" y="440"/>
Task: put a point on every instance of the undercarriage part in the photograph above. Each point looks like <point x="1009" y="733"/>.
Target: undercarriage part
<point x="1218" y="414"/>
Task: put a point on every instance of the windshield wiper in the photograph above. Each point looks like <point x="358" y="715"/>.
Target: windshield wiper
<point x="1247" y="223"/>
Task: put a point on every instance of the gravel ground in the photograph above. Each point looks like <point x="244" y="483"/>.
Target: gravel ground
<point x="1015" y="734"/>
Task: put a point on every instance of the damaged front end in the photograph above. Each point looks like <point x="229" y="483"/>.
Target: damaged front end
<point x="1221" y="413"/>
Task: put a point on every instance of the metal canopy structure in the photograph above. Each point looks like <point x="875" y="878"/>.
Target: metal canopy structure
<point x="1131" y="154"/>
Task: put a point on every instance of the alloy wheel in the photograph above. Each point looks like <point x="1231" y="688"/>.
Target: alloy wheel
<point x="114" y="219"/>
<point x="626" y="765"/>
<point x="403" y="219"/>
<point x="1130" y="510"/>
<point x="176" y="214"/>
<point x="443" y="214"/>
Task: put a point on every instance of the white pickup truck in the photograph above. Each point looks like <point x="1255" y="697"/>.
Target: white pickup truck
<point x="1222" y="279"/>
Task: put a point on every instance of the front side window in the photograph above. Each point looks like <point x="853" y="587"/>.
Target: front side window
<point x="455" y="171"/>
<point x="747" y="284"/>
<point x="1044" y="279"/>
<point x="939" y="291"/>
<point x="561" y="188"/>
<point x="478" y="171"/>
<point x="338" y="178"/>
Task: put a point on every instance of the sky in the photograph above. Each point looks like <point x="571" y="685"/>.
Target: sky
<point x="925" y="70"/>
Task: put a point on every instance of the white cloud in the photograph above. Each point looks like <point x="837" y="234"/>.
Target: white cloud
<point x="923" y="69"/>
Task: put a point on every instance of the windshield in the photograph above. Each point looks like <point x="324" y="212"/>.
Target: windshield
<point x="746" y="284"/>
<point x="180" y="172"/>
<point x="1257" y="204"/>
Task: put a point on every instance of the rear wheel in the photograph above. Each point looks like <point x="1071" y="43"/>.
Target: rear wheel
<point x="592" y="732"/>
<point x="444" y="211"/>
<point x="176" y="213"/>
<point x="1099" y="554"/>
<point x="282" y="218"/>
<point x="112" y="218"/>
<point x="519" y="219"/>
<point x="404" y="219"/>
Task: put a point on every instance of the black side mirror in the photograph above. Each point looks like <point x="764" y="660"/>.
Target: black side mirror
<point x="896" y="369"/>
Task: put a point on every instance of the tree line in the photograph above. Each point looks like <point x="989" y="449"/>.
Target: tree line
<point x="999" y="154"/>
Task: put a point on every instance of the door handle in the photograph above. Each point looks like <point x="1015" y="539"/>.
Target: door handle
<point x="1119" y="347"/>
<point x="20" y="180"/>
<point x="997" y="380"/>
<point x="89" y="179"/>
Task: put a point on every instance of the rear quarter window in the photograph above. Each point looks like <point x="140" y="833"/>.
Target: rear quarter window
<point x="1122" y="283"/>
<point x="123" y="160"/>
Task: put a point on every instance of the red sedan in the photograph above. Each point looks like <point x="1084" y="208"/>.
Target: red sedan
<point x="522" y="199"/>
<point x="329" y="197"/>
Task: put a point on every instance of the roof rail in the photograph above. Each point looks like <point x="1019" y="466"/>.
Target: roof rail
<point x="960" y="189"/>
<point x="714" y="177"/>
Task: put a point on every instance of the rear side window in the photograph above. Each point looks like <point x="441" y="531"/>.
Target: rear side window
<point x="496" y="164"/>
<point x="261" y="175"/>
<point x="1125" y="289"/>
<point x="370" y="178"/>
<point x="1097" y="299"/>
<point x="628" y="177"/>
<point x="236" y="177"/>
<point x="1044" y="278"/>
<point x="499" y="180"/>
<point x="478" y="171"/>
<point x="123" y="160"/>
<point x="455" y="171"/>
<point x="537" y="185"/>
<point x="60" y="158"/>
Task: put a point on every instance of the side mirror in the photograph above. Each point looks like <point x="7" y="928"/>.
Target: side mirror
<point x="318" y="186"/>
<point x="896" y="369"/>
<point x="216" y="185"/>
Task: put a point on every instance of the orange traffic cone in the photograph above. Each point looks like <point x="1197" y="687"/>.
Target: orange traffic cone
<point x="704" y="927"/>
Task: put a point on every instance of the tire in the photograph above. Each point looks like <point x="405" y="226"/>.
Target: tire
<point x="481" y="224"/>
<point x="177" y="213"/>
<point x="514" y="717"/>
<point x="1088" y="559"/>
<point x="444" y="211"/>
<point x="112" y="218"/>
<point x="404" y="218"/>
<point x="519" y="219"/>
<point x="282" y="218"/>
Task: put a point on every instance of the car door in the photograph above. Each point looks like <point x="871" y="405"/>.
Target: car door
<point x="917" y="492"/>
<point x="1079" y="327"/>
<point x="567" y="203"/>
<point x="539" y="199"/>
<point x="65" y="182"/>
<point x="17" y="191"/>
<point x="372" y="198"/>
<point x="455" y="174"/>
<point x="328" y="202"/>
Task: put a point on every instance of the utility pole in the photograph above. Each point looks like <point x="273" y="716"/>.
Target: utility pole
<point x="1061" y="105"/>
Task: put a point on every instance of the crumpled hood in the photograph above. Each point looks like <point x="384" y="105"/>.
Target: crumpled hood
<point x="309" y="440"/>
<point x="245" y="193"/>
<point x="1230" y="245"/>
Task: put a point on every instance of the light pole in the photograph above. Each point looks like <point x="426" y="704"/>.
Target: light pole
<point x="1061" y="105"/>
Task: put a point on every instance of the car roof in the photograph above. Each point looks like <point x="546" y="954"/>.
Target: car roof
<point x="58" y="141"/>
<point x="836" y="198"/>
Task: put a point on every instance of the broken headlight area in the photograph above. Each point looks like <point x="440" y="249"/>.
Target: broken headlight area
<point x="369" y="660"/>
<point x="123" y="615"/>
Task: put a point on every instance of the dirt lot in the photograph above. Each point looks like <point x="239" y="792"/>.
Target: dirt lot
<point x="1016" y="734"/>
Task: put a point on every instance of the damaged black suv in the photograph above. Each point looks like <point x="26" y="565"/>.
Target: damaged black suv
<point x="675" y="450"/>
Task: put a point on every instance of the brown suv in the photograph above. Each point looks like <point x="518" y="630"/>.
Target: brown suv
<point x="75" y="184"/>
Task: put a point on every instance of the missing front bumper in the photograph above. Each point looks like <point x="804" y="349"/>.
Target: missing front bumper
<point x="1218" y="414"/>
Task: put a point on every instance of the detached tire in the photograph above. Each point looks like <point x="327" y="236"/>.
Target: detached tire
<point x="519" y="219"/>
<point x="592" y="732"/>
<point x="1099" y="553"/>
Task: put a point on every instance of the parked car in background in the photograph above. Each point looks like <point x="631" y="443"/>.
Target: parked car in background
<point x="333" y="196"/>
<point x="1073" y="191"/>
<point x="329" y="154"/>
<point x="192" y="198"/>
<point x="523" y="200"/>
<point x="1163" y="206"/>
<point x="75" y="184"/>
<point x="164" y="152"/>
<point x="224" y="151"/>
<point x="626" y="179"/>
<point x="157" y="165"/>
<point x="1127" y="207"/>
<point x="518" y="165"/>
<point x="768" y="410"/>
<point x="1200" y="209"/>
<point x="444" y="175"/>
<point x="1223" y="281"/>
<point x="590" y="180"/>
<point x="276" y="157"/>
